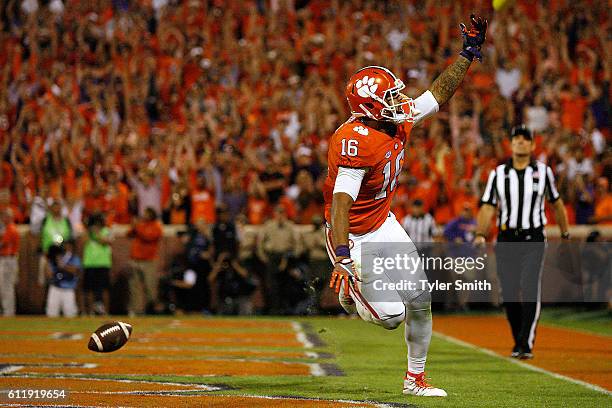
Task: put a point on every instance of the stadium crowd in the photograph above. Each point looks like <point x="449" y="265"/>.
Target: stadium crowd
<point x="176" y="109"/>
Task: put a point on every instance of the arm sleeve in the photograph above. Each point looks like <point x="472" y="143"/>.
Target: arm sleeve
<point x="488" y="197"/>
<point x="551" y="188"/>
<point x="427" y="105"/>
<point x="348" y="181"/>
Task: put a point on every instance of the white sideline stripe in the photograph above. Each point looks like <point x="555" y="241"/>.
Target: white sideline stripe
<point x="491" y="353"/>
<point x="300" y="335"/>
<point x="98" y="342"/>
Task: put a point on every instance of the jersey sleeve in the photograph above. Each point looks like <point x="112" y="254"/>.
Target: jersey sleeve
<point x="551" y="186"/>
<point x="488" y="197"/>
<point x="354" y="147"/>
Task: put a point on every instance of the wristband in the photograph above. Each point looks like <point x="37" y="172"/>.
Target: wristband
<point x="467" y="54"/>
<point x="343" y="250"/>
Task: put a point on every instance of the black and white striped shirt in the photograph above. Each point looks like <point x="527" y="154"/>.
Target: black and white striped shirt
<point x="420" y="229"/>
<point x="520" y="194"/>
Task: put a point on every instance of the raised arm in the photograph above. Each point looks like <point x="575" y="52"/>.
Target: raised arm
<point x="448" y="81"/>
<point x="445" y="85"/>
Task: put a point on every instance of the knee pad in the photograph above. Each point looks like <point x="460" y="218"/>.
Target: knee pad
<point x="422" y="301"/>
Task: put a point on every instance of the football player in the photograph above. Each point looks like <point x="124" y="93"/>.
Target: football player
<point x="365" y="157"/>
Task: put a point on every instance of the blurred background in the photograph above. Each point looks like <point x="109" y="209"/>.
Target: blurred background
<point x="174" y="152"/>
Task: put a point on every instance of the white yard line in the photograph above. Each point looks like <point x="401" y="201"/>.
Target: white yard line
<point x="491" y="353"/>
<point x="301" y="335"/>
<point x="316" y="370"/>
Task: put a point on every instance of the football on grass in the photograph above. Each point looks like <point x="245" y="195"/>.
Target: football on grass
<point x="110" y="337"/>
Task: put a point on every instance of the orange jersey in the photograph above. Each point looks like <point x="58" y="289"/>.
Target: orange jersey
<point x="359" y="146"/>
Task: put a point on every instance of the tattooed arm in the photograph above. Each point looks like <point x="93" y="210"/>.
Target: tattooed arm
<point x="448" y="81"/>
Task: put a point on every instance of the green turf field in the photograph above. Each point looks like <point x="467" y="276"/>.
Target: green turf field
<point x="373" y="361"/>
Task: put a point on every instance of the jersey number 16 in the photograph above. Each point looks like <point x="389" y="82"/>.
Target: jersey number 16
<point x="399" y="161"/>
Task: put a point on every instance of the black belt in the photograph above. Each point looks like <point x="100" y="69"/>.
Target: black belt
<point x="517" y="232"/>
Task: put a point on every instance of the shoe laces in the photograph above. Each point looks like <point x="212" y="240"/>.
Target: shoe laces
<point x="420" y="381"/>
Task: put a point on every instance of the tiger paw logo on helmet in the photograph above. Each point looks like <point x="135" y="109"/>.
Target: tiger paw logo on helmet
<point x="366" y="86"/>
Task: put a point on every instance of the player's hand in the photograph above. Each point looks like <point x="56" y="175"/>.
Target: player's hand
<point x="479" y="241"/>
<point x="409" y="108"/>
<point x="344" y="271"/>
<point x="474" y="37"/>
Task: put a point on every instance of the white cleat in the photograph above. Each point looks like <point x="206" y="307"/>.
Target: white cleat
<point x="418" y="386"/>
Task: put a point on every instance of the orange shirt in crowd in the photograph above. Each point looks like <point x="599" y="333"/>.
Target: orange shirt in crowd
<point x="603" y="208"/>
<point x="119" y="204"/>
<point x="178" y="216"/>
<point x="6" y="175"/>
<point x="443" y="213"/>
<point x="145" y="245"/>
<point x="257" y="209"/>
<point x="203" y="206"/>
<point x="573" y="109"/>
<point x="9" y="243"/>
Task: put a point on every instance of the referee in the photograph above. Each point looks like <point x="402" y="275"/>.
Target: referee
<point x="517" y="189"/>
<point x="420" y="225"/>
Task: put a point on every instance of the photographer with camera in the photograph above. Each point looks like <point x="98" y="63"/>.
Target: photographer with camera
<point x="62" y="271"/>
<point x="234" y="286"/>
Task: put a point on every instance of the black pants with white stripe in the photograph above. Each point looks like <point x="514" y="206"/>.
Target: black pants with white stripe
<point x="519" y="265"/>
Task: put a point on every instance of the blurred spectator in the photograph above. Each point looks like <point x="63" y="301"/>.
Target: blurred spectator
<point x="202" y="200"/>
<point x="316" y="257"/>
<point x="147" y="188"/>
<point x="603" y="206"/>
<point x="577" y="165"/>
<point x="507" y="77"/>
<point x="420" y="226"/>
<point x="62" y="270"/>
<point x="54" y="230"/>
<point x="97" y="264"/>
<point x="277" y="243"/>
<point x="9" y="267"/>
<point x="234" y="286"/>
<point x="146" y="233"/>
<point x="234" y="198"/>
<point x="273" y="180"/>
<point x="257" y="204"/>
<point x="178" y="208"/>
<point x="182" y="287"/>
<point x="459" y="233"/>
<point x="199" y="252"/>
<point x="461" y="229"/>
<point x="224" y="234"/>
<point x="585" y="192"/>
<point x="307" y="196"/>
